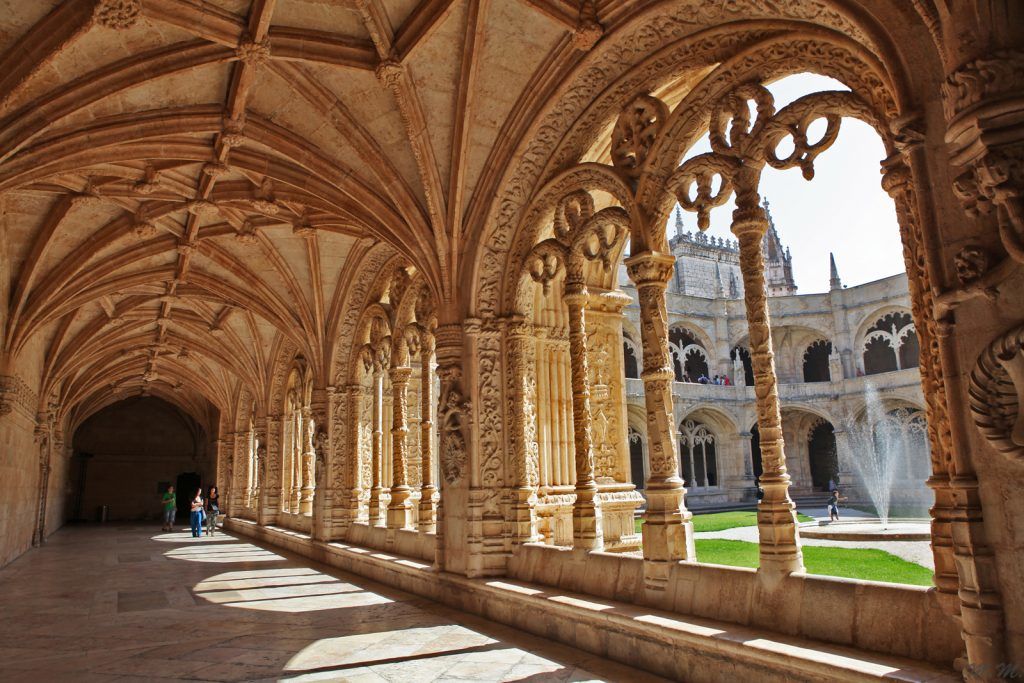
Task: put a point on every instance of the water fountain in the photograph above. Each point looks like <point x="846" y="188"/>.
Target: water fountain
<point x="891" y="467"/>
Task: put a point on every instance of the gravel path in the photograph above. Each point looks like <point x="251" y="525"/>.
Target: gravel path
<point x="918" y="552"/>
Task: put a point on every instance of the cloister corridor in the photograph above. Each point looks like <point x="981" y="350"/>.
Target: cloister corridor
<point x="149" y="605"/>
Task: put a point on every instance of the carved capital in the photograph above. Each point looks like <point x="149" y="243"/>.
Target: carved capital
<point x="995" y="76"/>
<point x="650" y="268"/>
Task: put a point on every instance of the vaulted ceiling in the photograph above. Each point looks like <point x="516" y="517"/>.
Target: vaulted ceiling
<point x="189" y="186"/>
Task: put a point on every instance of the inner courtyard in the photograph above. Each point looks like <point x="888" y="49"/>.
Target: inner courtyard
<point x="477" y="326"/>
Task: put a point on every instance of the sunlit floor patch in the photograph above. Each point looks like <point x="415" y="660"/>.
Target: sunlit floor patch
<point x="284" y="591"/>
<point x="427" y="653"/>
<point x="223" y="552"/>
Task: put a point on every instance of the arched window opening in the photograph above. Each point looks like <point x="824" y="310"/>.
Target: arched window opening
<point x="884" y="344"/>
<point x="910" y="350"/>
<point x="689" y="357"/>
<point x="816" y="361"/>
<point x="743" y="355"/>
<point x="631" y="356"/>
<point x="697" y="454"/>
<point x="821" y="451"/>
<point x="636" y="458"/>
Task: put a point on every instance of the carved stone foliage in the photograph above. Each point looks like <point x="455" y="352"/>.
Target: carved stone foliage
<point x="451" y="416"/>
<point x="634" y="134"/>
<point x="997" y="393"/>
<point x="1000" y="73"/>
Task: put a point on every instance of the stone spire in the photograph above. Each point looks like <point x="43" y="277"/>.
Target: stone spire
<point x="834" y="282"/>
<point x="679" y="221"/>
<point x="778" y="263"/>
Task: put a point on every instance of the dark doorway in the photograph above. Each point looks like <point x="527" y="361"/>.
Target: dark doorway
<point x="755" y="453"/>
<point x="186" y="486"/>
<point x="821" y="451"/>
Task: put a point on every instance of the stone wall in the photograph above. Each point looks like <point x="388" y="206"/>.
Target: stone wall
<point x="19" y="477"/>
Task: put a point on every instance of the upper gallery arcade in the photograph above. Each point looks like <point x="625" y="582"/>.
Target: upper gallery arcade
<point x="333" y="234"/>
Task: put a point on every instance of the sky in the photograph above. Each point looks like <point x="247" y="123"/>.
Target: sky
<point x="842" y="210"/>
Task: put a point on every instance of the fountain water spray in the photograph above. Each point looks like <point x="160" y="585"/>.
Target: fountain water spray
<point x="885" y="458"/>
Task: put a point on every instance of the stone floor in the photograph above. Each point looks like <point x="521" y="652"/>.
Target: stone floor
<point x="132" y="603"/>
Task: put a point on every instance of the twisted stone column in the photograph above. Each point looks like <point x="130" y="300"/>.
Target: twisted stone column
<point x="351" y="479"/>
<point x="586" y="510"/>
<point x="667" y="529"/>
<point x="428" y="508"/>
<point x="399" y="509"/>
<point x="378" y="444"/>
<point x="776" y="513"/>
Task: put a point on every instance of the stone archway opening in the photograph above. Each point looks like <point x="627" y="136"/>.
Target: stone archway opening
<point x="131" y="451"/>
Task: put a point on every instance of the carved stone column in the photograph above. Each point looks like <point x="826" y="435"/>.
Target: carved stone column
<point x="306" y="465"/>
<point x="378" y="444"/>
<point x="399" y="509"/>
<point x="667" y="529"/>
<point x="586" y="510"/>
<point x="618" y="496"/>
<point x="43" y="441"/>
<point x="452" y="423"/>
<point x="428" y="490"/>
<point x="296" y="449"/>
<point x="322" y="407"/>
<point x="776" y="513"/>
<point x="352" y="482"/>
<point x="522" y="374"/>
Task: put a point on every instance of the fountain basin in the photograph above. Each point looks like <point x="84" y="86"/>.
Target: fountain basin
<point x="868" y="531"/>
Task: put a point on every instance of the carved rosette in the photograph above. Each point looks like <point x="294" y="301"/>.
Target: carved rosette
<point x="117" y="14"/>
<point x="253" y="53"/>
<point x="997" y="393"/>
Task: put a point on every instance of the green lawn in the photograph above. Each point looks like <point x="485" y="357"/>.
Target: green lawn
<point x="717" y="521"/>
<point x="852" y="563"/>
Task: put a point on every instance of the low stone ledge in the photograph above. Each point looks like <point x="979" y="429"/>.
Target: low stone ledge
<point x="681" y="647"/>
<point x="904" y="621"/>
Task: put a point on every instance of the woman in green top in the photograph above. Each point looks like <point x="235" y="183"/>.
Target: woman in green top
<point x="170" y="503"/>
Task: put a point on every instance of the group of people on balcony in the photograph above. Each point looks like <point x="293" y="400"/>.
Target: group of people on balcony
<point x="720" y="380"/>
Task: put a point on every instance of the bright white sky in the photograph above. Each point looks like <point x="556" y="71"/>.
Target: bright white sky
<point x="843" y="210"/>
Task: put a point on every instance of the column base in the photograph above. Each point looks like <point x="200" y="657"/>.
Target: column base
<point x="777" y="531"/>
<point x="667" y="529"/>
<point x="399" y="514"/>
<point x="586" y="521"/>
<point x="374" y="516"/>
<point x="428" y="511"/>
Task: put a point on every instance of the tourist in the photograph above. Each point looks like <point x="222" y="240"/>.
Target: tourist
<point x="196" y="514"/>
<point x="212" y="510"/>
<point x="170" y="507"/>
<point x="726" y="381"/>
<point x="833" y="506"/>
<point x="717" y="381"/>
<point x="703" y="379"/>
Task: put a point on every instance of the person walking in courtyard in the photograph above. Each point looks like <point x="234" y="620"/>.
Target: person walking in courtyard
<point x="196" y="514"/>
<point x="833" y="506"/>
<point x="170" y="507"/>
<point x="212" y="510"/>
